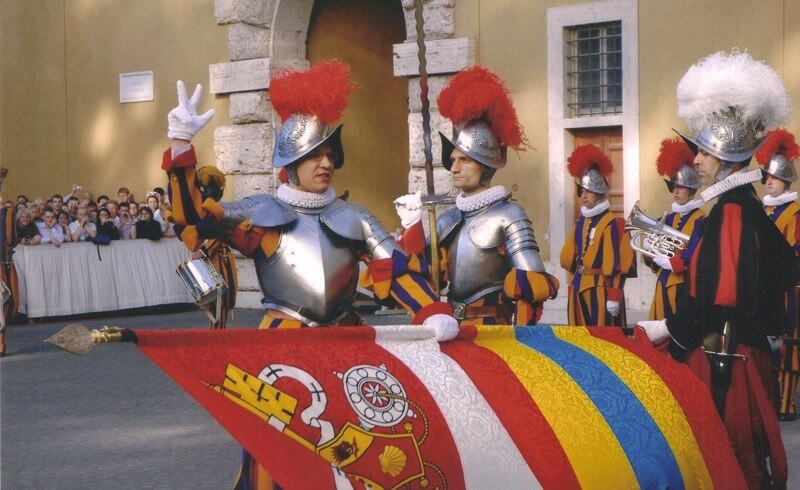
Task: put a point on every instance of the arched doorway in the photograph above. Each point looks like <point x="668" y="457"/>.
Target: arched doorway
<point x="362" y="33"/>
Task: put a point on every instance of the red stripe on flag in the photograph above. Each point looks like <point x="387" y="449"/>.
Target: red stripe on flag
<point x="693" y="396"/>
<point x="513" y="405"/>
<point x="287" y="461"/>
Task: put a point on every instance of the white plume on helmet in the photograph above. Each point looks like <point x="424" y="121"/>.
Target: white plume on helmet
<point x="723" y="81"/>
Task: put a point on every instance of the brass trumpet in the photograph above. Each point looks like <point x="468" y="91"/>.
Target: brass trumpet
<point x="652" y="237"/>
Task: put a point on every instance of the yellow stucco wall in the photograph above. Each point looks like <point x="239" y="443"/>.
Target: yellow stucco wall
<point x="61" y="121"/>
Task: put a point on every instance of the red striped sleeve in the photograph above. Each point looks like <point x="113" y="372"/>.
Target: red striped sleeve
<point x="729" y="245"/>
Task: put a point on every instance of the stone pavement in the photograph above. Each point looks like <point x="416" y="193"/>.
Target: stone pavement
<point x="112" y="419"/>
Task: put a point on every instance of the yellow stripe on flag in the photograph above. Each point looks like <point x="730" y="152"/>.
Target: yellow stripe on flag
<point x="654" y="395"/>
<point x="580" y="428"/>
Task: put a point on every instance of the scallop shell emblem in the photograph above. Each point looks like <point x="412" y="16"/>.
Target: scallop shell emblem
<point x="392" y="460"/>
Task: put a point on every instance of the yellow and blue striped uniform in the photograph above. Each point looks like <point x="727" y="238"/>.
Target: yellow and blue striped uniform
<point x="667" y="282"/>
<point x="597" y="254"/>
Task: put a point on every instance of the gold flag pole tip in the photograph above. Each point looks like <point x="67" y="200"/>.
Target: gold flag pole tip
<point x="79" y="340"/>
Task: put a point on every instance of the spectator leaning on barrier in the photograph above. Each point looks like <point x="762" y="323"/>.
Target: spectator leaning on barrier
<point x="62" y="219"/>
<point x="146" y="227"/>
<point x="82" y="228"/>
<point x="124" y="223"/>
<point x="105" y="225"/>
<point x="134" y="213"/>
<point x="27" y="231"/>
<point x="49" y="229"/>
<point x="36" y="213"/>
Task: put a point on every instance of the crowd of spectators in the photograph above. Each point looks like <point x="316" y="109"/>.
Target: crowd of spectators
<point x="77" y="218"/>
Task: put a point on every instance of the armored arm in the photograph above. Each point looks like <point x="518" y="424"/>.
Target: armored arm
<point x="522" y="250"/>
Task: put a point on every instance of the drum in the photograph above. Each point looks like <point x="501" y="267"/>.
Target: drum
<point x="203" y="281"/>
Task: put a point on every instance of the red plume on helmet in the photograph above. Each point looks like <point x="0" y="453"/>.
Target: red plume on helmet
<point x="320" y="91"/>
<point x="674" y="154"/>
<point x="478" y="93"/>
<point x="778" y="141"/>
<point x="587" y="156"/>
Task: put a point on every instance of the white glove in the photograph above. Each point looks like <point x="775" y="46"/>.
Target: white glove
<point x="409" y="208"/>
<point x="183" y="121"/>
<point x="663" y="262"/>
<point x="648" y="243"/>
<point x="775" y="343"/>
<point x="613" y="307"/>
<point x="656" y="330"/>
<point x="446" y="326"/>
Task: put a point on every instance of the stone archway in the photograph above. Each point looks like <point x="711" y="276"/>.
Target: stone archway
<point x="266" y="35"/>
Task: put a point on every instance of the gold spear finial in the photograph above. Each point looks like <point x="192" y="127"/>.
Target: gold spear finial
<point x="79" y="340"/>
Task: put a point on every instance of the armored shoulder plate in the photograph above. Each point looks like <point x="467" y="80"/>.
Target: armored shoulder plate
<point x="487" y="230"/>
<point x="506" y="223"/>
<point x="447" y="222"/>
<point x="261" y="210"/>
<point x="355" y="222"/>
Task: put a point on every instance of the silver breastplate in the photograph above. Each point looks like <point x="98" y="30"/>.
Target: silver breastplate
<point x="313" y="274"/>
<point x="473" y="271"/>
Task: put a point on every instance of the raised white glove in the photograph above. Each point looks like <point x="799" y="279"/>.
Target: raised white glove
<point x="656" y="330"/>
<point x="183" y="121"/>
<point x="409" y="208"/>
<point x="775" y="343"/>
<point x="663" y="262"/>
<point x="613" y="307"/>
<point x="446" y="326"/>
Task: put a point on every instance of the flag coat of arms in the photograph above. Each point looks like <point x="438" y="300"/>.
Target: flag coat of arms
<point x="498" y="407"/>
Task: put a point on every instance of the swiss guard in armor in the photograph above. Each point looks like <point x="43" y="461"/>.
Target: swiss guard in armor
<point x="487" y="247"/>
<point x="306" y="242"/>
<point x="742" y="268"/>
<point x="777" y="156"/>
<point x="675" y="164"/>
<point x="597" y="251"/>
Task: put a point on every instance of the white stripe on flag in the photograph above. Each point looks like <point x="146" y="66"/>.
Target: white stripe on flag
<point x="489" y="457"/>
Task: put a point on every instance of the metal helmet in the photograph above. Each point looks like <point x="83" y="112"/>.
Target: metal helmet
<point x="781" y="167"/>
<point x="593" y="181"/>
<point x="477" y="140"/>
<point x="728" y="137"/>
<point x="686" y="176"/>
<point x="300" y="134"/>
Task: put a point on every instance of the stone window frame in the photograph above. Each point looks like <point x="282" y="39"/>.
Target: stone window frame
<point x="560" y="123"/>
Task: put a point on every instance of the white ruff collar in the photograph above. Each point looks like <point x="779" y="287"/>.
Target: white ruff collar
<point x="733" y="181"/>
<point x="688" y="207"/>
<point x="466" y="204"/>
<point x="304" y="199"/>
<point x="597" y="209"/>
<point x="778" y="200"/>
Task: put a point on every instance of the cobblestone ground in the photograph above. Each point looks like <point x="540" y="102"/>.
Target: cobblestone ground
<point x="112" y="419"/>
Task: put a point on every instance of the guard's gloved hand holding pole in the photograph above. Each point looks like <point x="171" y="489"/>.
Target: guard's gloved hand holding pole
<point x="183" y="121"/>
<point x="409" y="208"/>
<point x="446" y="326"/>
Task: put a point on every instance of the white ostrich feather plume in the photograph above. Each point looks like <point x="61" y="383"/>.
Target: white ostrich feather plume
<point x="723" y="81"/>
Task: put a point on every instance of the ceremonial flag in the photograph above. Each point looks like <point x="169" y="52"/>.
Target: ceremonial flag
<point x="499" y="407"/>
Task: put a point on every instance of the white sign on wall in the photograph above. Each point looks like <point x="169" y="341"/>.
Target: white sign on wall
<point x="136" y="86"/>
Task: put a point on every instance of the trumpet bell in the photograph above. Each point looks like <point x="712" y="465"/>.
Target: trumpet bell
<point x="652" y="237"/>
